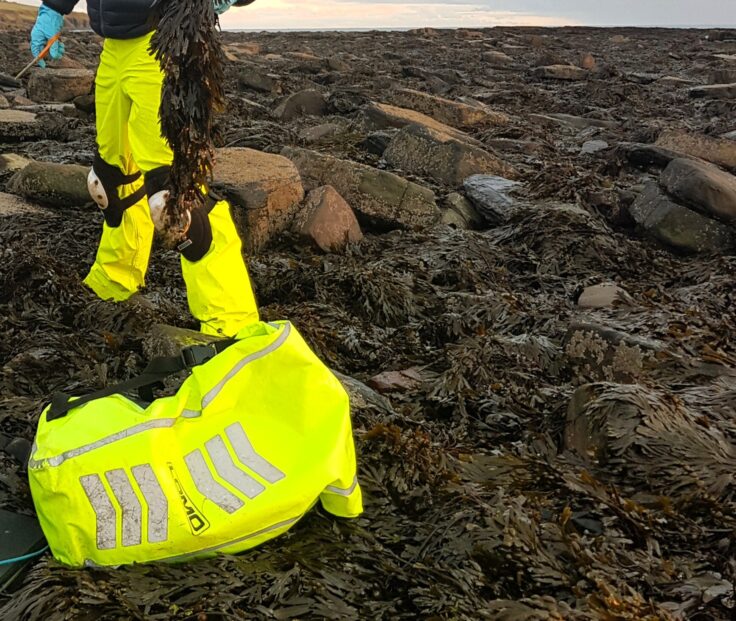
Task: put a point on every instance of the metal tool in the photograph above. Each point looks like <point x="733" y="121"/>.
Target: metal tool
<point x="43" y="53"/>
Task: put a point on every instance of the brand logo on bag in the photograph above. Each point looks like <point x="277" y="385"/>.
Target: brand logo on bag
<point x="198" y="523"/>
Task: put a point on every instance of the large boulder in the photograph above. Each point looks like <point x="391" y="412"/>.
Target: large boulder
<point x="601" y="353"/>
<point x="652" y="441"/>
<point x="327" y="220"/>
<point x="308" y="102"/>
<point x="256" y="78"/>
<point x="384" y="116"/>
<point x="18" y="125"/>
<point x="379" y="198"/>
<point x="57" y="185"/>
<point x="719" y="151"/>
<point x="265" y="191"/>
<point x="490" y="195"/>
<point x="447" y="111"/>
<point x="59" y="85"/>
<point x="703" y="186"/>
<point x="423" y="151"/>
<point x="678" y="226"/>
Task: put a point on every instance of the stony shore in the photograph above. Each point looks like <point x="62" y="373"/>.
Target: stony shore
<point x="517" y="248"/>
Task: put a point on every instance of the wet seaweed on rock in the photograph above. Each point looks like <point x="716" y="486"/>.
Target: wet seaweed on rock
<point x="187" y="45"/>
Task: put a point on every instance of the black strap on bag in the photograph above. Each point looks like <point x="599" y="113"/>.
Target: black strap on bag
<point x="153" y="375"/>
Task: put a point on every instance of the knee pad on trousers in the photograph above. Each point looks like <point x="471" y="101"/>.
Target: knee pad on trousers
<point x="199" y="234"/>
<point x="103" y="182"/>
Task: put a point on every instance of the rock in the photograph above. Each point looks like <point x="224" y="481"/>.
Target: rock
<point x="16" y="126"/>
<point x="327" y="220"/>
<point x="320" y="132"/>
<point x="600" y="353"/>
<point x="703" y="186"/>
<point x="265" y="191"/>
<point x="57" y="185"/>
<point x="4" y="103"/>
<point x="587" y="61"/>
<point x="602" y="296"/>
<point x="379" y="198"/>
<point x="678" y="226"/>
<point x="729" y="135"/>
<point x="423" y="151"/>
<point x="362" y="397"/>
<point x="165" y="340"/>
<point x="447" y="111"/>
<point x="21" y="100"/>
<point x="383" y="116"/>
<point x="648" y="155"/>
<point x="717" y="150"/>
<point x="490" y="196"/>
<point x="461" y="213"/>
<point x="510" y="145"/>
<point x="85" y="103"/>
<point x="722" y="76"/>
<point x="396" y="381"/>
<point x="256" y="79"/>
<point x="307" y="102"/>
<point x="235" y="51"/>
<point x="377" y="142"/>
<point x="59" y="85"/>
<point x="570" y="73"/>
<point x="593" y="146"/>
<point x="639" y="77"/>
<point x="576" y="122"/>
<point x="11" y="162"/>
<point x="714" y="91"/>
<point x="672" y="80"/>
<point x="654" y="441"/>
<point x="498" y="60"/>
<point x="11" y="205"/>
<point x="337" y="64"/>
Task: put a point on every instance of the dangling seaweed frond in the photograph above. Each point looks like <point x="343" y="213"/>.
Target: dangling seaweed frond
<point x="187" y="45"/>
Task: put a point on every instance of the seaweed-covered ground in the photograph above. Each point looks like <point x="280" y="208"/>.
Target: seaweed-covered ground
<point x="538" y="459"/>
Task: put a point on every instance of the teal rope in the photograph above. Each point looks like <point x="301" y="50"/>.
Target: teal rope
<point x="25" y="557"/>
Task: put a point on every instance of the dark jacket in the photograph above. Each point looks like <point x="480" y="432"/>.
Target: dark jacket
<point x="118" y="19"/>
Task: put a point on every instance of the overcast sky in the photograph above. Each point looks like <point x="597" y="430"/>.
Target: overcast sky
<point x="275" y="14"/>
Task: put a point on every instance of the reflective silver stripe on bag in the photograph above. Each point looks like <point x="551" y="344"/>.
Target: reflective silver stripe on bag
<point x="248" y="456"/>
<point x="104" y="511"/>
<point x="130" y="505"/>
<point x="341" y="491"/>
<point x="207" y="486"/>
<point x="156" y="503"/>
<point x="228" y="471"/>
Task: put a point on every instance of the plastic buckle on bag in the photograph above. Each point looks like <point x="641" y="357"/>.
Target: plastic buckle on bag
<point x="195" y="355"/>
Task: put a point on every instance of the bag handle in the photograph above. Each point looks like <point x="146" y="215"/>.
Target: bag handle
<point x="153" y="375"/>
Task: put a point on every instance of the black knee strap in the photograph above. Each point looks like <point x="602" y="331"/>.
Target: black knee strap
<point x="157" y="180"/>
<point x="112" y="178"/>
<point x="199" y="235"/>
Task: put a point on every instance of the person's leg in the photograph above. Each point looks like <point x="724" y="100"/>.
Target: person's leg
<point x="218" y="287"/>
<point x="117" y="184"/>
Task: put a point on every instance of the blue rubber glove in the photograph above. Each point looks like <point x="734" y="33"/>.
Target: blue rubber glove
<point x="48" y="24"/>
<point x="222" y="5"/>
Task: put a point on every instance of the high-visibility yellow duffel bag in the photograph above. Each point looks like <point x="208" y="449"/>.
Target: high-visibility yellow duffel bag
<point x="258" y="432"/>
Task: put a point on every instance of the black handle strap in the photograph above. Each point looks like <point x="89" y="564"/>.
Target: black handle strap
<point x="154" y="374"/>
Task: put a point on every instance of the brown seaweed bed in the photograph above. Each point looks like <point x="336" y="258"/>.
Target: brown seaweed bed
<point x="490" y="492"/>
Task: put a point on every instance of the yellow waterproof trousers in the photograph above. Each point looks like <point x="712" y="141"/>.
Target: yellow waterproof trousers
<point x="128" y="94"/>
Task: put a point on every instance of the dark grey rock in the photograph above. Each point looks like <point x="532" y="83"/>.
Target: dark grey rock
<point x="677" y="226"/>
<point x="490" y="195"/>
